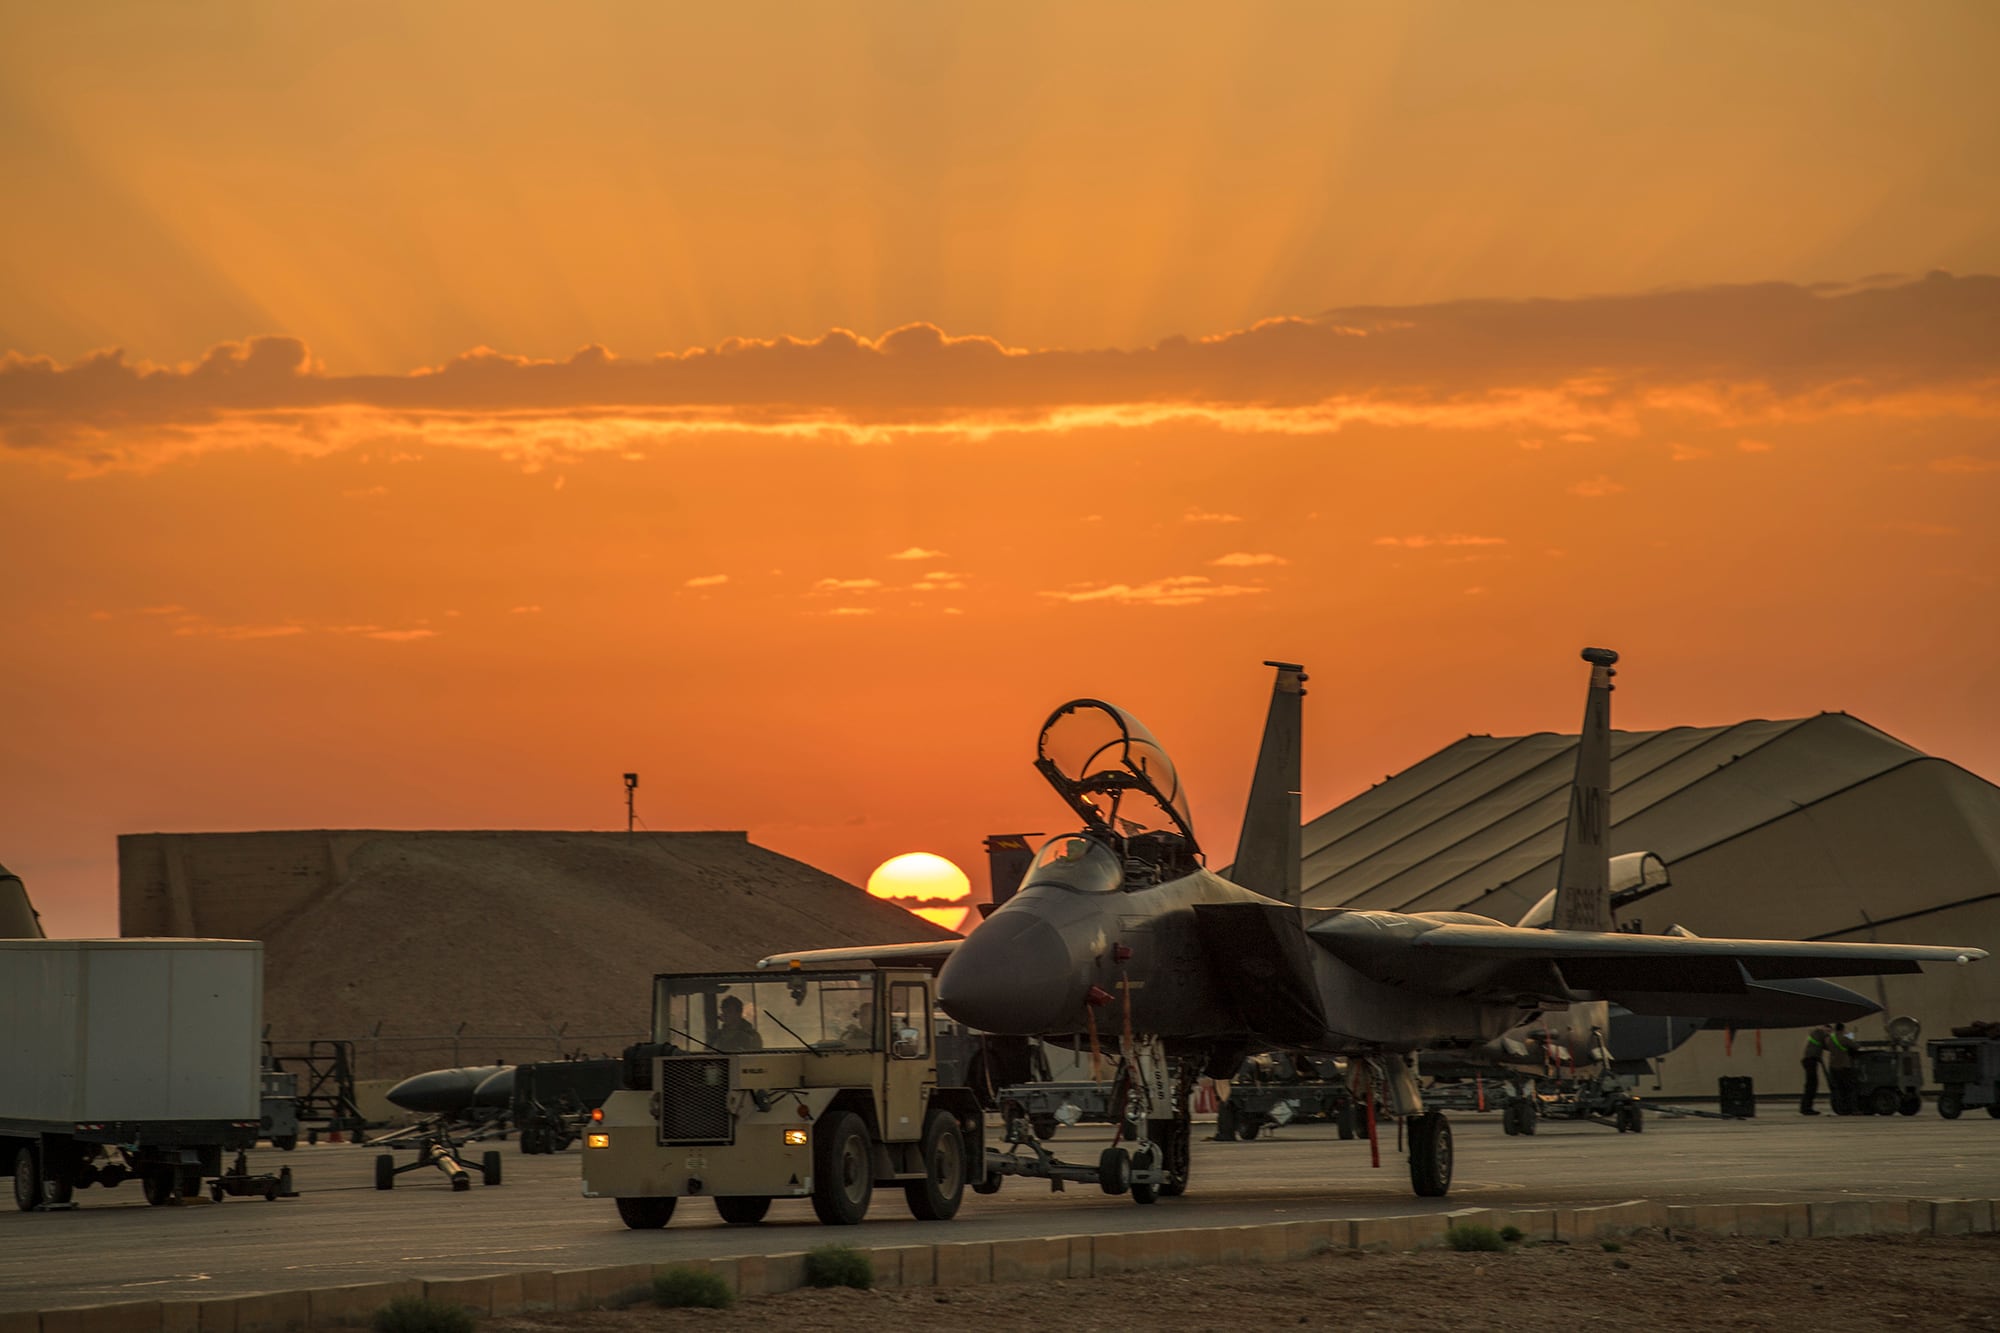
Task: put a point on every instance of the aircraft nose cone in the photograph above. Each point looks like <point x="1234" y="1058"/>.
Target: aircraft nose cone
<point x="1012" y="977"/>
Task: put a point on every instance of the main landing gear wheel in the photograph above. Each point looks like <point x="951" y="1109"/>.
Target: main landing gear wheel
<point x="1430" y="1154"/>
<point x="742" y="1210"/>
<point x="28" y="1179"/>
<point x="843" y="1170"/>
<point x="1177" y="1138"/>
<point x="646" y="1214"/>
<point x="936" y="1197"/>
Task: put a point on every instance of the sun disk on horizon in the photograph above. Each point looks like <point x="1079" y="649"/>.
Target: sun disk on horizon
<point x="914" y="877"/>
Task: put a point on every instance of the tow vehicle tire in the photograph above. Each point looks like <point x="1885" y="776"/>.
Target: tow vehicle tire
<point x="1114" y="1170"/>
<point x="489" y="1169"/>
<point x="742" y="1210"/>
<point x="1951" y="1104"/>
<point x="385" y="1172"/>
<point x="1912" y="1103"/>
<point x="1430" y="1154"/>
<point x="28" y="1179"/>
<point x="1883" y="1101"/>
<point x="843" y="1169"/>
<point x="937" y="1196"/>
<point x="646" y="1214"/>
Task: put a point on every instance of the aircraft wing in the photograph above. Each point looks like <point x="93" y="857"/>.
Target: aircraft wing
<point x="1482" y="960"/>
<point x="923" y="953"/>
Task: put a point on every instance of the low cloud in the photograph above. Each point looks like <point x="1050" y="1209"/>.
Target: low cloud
<point x="1570" y="370"/>
<point x="846" y="585"/>
<point x="1181" y="590"/>
<point x="1203" y="516"/>
<point x="1688" y="453"/>
<point x="524" y="610"/>
<point x="1418" y="543"/>
<point x="1248" y="560"/>
<point x="939" y="581"/>
<point x="917" y="553"/>
<point x="707" y="581"/>
<point x="1593" y="488"/>
<point x="1965" y="463"/>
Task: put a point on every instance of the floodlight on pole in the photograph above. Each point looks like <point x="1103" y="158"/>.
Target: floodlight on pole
<point x="631" y="785"/>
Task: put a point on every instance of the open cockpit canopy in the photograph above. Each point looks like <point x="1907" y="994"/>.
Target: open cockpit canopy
<point x="1105" y="764"/>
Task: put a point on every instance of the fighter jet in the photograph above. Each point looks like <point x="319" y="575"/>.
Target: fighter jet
<point x="1119" y="931"/>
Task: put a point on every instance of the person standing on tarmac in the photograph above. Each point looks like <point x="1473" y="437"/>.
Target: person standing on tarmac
<point x="1810" y="1060"/>
<point x="1840" y="1071"/>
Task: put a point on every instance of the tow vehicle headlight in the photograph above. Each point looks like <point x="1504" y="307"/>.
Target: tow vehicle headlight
<point x="597" y="1140"/>
<point x="795" y="1137"/>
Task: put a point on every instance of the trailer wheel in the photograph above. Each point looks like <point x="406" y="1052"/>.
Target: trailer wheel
<point x="1045" y="1126"/>
<point x="28" y="1179"/>
<point x="1951" y="1103"/>
<point x="1631" y="1120"/>
<point x="1343" y="1120"/>
<point x="1510" y="1119"/>
<point x="1912" y="1103"/>
<point x="489" y="1169"/>
<point x="646" y="1214"/>
<point x="531" y="1141"/>
<point x="843" y="1170"/>
<point x="742" y="1210"/>
<point x="1430" y="1154"/>
<point x="1531" y="1111"/>
<point x="285" y="1142"/>
<point x="1114" y="1170"/>
<point x="385" y="1171"/>
<point x="1225" y="1123"/>
<point x="1248" y="1127"/>
<point x="1883" y="1101"/>
<point x="1993" y="1109"/>
<point x="988" y="1183"/>
<point x="937" y="1196"/>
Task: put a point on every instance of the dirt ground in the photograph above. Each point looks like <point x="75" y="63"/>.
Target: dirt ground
<point x="1649" y="1281"/>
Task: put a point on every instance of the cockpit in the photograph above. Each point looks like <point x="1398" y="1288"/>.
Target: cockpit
<point x="1108" y="768"/>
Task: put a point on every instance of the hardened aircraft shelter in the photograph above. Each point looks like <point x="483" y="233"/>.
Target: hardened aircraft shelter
<point x="1803" y="828"/>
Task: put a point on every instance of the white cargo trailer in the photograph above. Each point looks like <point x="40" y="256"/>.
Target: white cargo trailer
<point x="127" y="1058"/>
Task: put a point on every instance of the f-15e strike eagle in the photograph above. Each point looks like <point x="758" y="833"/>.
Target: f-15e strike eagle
<point x="1119" y="931"/>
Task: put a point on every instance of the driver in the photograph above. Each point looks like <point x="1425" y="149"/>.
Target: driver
<point x="734" y="1032"/>
<point x="860" y="1029"/>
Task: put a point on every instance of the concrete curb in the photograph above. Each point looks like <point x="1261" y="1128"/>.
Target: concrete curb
<point x="964" y="1263"/>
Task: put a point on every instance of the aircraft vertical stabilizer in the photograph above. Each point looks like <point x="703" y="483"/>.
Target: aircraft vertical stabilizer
<point x="1583" y="884"/>
<point x="1267" y="851"/>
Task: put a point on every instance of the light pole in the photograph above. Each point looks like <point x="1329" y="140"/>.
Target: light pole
<point x="631" y="785"/>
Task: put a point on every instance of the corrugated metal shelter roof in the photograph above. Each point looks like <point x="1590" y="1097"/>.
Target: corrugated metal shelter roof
<point x="1478" y="825"/>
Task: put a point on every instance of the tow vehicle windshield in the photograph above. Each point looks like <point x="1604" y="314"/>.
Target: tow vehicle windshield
<point x="796" y="1011"/>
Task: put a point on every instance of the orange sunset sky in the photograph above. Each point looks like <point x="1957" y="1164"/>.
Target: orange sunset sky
<point x="417" y="415"/>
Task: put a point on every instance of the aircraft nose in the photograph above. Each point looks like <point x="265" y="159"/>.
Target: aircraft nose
<point x="1012" y="977"/>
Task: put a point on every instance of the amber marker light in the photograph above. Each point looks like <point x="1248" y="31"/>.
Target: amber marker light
<point x="597" y="1140"/>
<point x="795" y="1137"/>
<point x="597" y="1115"/>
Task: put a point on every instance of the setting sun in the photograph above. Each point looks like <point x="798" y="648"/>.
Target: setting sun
<point x="928" y="885"/>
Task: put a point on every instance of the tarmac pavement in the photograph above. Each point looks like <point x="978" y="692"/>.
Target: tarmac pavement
<point x="341" y="1230"/>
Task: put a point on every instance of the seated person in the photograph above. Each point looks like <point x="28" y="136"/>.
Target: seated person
<point x="734" y="1032"/>
<point x="860" y="1030"/>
